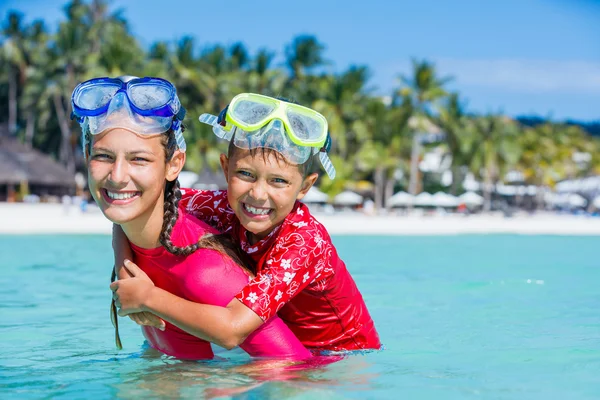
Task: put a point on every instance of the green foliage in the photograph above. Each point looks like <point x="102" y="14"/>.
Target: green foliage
<point x="372" y="138"/>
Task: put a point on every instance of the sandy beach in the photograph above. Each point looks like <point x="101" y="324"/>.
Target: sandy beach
<point x="22" y="218"/>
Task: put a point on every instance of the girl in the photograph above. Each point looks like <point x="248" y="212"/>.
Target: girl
<point x="134" y="147"/>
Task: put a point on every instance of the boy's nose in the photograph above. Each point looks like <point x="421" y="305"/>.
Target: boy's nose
<point x="258" y="191"/>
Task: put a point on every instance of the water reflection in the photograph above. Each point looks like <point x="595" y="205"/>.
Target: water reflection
<point x="238" y="377"/>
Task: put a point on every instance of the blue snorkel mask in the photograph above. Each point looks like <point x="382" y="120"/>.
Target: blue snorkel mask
<point x="145" y="106"/>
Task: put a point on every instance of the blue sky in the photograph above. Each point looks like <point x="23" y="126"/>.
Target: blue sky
<point x="534" y="57"/>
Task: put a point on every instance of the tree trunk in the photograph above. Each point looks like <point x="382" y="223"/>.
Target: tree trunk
<point x="379" y="187"/>
<point x="12" y="101"/>
<point x="66" y="152"/>
<point x="414" y="165"/>
<point x="30" y="128"/>
<point x="456" y="178"/>
<point x="488" y="187"/>
<point x="389" y="190"/>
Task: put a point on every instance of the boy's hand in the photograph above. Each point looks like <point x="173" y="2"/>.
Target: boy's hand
<point x="130" y="294"/>
<point x="145" y="318"/>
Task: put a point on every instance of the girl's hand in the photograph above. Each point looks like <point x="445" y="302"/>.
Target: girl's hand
<point x="131" y="294"/>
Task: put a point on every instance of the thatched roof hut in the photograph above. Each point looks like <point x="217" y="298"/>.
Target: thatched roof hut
<point x="21" y="165"/>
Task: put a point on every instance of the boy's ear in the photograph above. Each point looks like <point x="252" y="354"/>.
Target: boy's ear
<point x="225" y="166"/>
<point x="307" y="183"/>
<point x="175" y="165"/>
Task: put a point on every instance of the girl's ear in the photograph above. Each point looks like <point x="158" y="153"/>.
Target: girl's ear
<point x="307" y="183"/>
<point x="175" y="165"/>
<point x="225" y="166"/>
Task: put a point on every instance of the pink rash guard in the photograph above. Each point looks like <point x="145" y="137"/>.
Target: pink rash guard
<point x="208" y="277"/>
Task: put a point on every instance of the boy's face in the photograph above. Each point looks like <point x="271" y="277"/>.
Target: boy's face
<point x="262" y="190"/>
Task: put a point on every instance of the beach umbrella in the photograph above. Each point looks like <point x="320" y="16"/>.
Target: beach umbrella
<point x="471" y="199"/>
<point x="423" y="199"/>
<point x="348" y="198"/>
<point x="506" y="190"/>
<point x="561" y="199"/>
<point x="550" y="198"/>
<point x="401" y="199"/>
<point x="576" y="200"/>
<point x="471" y="184"/>
<point x="441" y="199"/>
<point x="314" y="195"/>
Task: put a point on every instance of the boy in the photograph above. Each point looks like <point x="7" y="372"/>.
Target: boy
<point x="299" y="274"/>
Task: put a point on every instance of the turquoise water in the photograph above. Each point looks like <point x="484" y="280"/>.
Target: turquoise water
<point x="495" y="317"/>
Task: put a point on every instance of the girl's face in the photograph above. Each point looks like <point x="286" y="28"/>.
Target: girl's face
<point x="262" y="190"/>
<point x="127" y="175"/>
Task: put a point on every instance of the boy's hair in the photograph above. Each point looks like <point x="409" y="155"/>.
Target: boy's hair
<point x="304" y="168"/>
<point x="219" y="242"/>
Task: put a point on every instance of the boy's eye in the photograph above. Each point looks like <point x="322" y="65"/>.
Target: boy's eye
<point x="140" y="159"/>
<point x="100" y="156"/>
<point x="280" y="181"/>
<point x="245" y="173"/>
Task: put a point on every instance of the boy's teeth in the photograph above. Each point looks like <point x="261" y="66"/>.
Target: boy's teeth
<point x="120" y="196"/>
<point x="257" y="211"/>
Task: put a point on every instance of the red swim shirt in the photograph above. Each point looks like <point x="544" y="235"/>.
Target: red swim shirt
<point x="206" y="276"/>
<point x="300" y="276"/>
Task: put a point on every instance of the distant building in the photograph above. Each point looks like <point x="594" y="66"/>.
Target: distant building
<point x="27" y="171"/>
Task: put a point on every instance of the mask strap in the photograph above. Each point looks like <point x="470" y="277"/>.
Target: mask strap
<point x="327" y="164"/>
<point x="179" y="135"/>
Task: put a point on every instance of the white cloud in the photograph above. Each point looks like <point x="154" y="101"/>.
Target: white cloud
<point x="519" y="75"/>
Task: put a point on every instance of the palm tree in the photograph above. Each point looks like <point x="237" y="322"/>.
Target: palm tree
<point x="305" y="52"/>
<point x="424" y="88"/>
<point x="15" y="63"/>
<point x="452" y="120"/>
<point x="497" y="151"/>
<point x="35" y="47"/>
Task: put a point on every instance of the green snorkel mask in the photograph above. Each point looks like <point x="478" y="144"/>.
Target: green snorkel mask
<point x="255" y="121"/>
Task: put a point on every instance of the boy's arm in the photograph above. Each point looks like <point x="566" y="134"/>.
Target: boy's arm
<point x="210" y="206"/>
<point x="123" y="252"/>
<point x="226" y="326"/>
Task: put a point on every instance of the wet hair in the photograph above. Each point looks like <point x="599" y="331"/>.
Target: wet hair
<point x="218" y="242"/>
<point x="305" y="168"/>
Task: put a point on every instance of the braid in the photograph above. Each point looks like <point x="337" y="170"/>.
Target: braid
<point x="172" y="197"/>
<point x="220" y="242"/>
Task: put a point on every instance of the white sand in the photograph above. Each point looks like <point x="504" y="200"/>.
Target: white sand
<point x="54" y="218"/>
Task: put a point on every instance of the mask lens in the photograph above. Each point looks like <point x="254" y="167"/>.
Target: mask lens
<point x="96" y="96"/>
<point x="251" y="112"/>
<point x="304" y="127"/>
<point x="149" y="97"/>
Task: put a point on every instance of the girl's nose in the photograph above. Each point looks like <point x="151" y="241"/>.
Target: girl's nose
<point x="119" y="173"/>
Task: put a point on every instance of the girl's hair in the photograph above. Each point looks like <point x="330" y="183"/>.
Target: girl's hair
<point x="219" y="242"/>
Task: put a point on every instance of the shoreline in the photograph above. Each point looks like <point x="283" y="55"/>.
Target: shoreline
<point x="29" y="219"/>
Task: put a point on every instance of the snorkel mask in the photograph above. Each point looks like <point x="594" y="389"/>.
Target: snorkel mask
<point x="145" y="106"/>
<point x="254" y="121"/>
